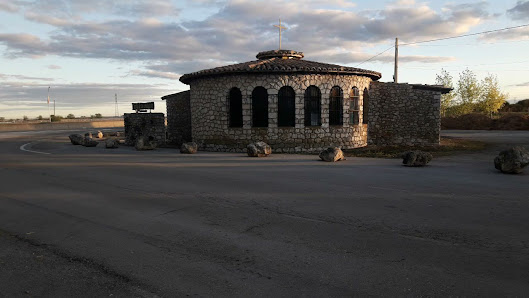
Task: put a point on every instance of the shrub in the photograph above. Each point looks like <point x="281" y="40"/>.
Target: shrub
<point x="468" y="121"/>
<point x="55" y="118"/>
<point x="512" y="121"/>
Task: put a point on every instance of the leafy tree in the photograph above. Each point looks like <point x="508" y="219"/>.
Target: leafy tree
<point x="40" y="117"/>
<point x="447" y="100"/>
<point x="70" y="116"/>
<point x="2" y="119"/>
<point x="468" y="90"/>
<point x="25" y="118"/>
<point x="492" y="99"/>
<point x="98" y="115"/>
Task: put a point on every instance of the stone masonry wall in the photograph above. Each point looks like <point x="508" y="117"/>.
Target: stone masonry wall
<point x="178" y="118"/>
<point x="400" y="114"/>
<point x="209" y="108"/>
<point x="150" y="125"/>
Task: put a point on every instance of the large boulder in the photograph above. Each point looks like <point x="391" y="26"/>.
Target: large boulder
<point x="111" y="143"/>
<point x="512" y="160"/>
<point x="258" y="149"/>
<point x="332" y="154"/>
<point x="88" y="142"/>
<point x="416" y="158"/>
<point x="99" y="134"/>
<point x="189" y="148"/>
<point x="76" y="139"/>
<point x="145" y="144"/>
<point x="88" y="135"/>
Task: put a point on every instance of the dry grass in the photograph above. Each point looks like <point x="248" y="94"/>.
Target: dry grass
<point x="448" y="146"/>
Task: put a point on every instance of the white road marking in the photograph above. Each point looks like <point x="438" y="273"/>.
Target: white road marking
<point x="23" y="148"/>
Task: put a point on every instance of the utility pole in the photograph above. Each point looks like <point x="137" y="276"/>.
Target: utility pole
<point x="116" y="110"/>
<point x="396" y="74"/>
<point x="49" y="115"/>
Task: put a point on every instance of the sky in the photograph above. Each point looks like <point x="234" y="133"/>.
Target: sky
<point x="88" y="52"/>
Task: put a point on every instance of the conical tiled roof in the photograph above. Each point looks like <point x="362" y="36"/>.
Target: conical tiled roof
<point x="280" y="61"/>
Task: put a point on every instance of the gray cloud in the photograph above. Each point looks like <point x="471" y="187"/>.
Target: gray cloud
<point x="24" y="78"/>
<point x="52" y="66"/>
<point x="520" y="11"/>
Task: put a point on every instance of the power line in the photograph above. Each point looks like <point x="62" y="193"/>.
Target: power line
<point x="465" y="35"/>
<point x="375" y="56"/>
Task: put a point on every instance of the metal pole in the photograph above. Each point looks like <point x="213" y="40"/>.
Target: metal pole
<point x="54" y="107"/>
<point x="396" y="75"/>
<point x="49" y="115"/>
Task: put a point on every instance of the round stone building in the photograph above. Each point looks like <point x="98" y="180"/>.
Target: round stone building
<point x="290" y="103"/>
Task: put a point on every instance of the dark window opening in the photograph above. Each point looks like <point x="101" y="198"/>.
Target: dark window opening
<point x="336" y="106"/>
<point x="354" y="106"/>
<point x="235" y="108"/>
<point x="259" y="107"/>
<point x="286" y="107"/>
<point x="365" y="106"/>
<point x="312" y="106"/>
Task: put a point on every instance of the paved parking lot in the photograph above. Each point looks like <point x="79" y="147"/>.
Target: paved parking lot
<point x="162" y="223"/>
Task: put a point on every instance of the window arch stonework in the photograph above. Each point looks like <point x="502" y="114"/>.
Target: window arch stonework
<point x="259" y="107"/>
<point x="336" y="106"/>
<point x="235" y="107"/>
<point x="312" y="106"/>
<point x="354" y="106"/>
<point x="286" y="107"/>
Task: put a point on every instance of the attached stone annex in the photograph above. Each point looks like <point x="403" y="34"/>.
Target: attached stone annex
<point x="296" y="105"/>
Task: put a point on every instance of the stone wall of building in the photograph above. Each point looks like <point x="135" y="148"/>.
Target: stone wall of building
<point x="150" y="125"/>
<point x="178" y="118"/>
<point x="210" y="119"/>
<point x="404" y="114"/>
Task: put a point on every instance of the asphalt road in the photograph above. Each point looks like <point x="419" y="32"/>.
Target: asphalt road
<point x="95" y="222"/>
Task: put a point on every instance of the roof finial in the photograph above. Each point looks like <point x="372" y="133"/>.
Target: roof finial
<point x="280" y="28"/>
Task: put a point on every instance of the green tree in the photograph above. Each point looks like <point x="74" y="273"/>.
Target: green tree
<point x="447" y="100"/>
<point x="491" y="99"/>
<point x="70" y="116"/>
<point x="56" y="118"/>
<point x="40" y="117"/>
<point x="98" y="115"/>
<point x="468" y="87"/>
<point x="25" y="118"/>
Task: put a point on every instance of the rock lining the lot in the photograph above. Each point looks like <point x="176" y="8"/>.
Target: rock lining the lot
<point x="512" y="161"/>
<point x="143" y="144"/>
<point x="332" y="154"/>
<point x="76" y="139"/>
<point x="416" y="158"/>
<point x="258" y="149"/>
<point x="89" y="142"/>
<point x="189" y="148"/>
<point x="111" y="143"/>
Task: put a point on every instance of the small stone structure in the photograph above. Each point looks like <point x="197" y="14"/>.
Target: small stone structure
<point x="178" y="118"/>
<point x="404" y="114"/>
<point x="296" y="105"/>
<point x="150" y="126"/>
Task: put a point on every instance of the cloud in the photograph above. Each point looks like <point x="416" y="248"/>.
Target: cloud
<point x="52" y="66"/>
<point x="526" y="84"/>
<point x="513" y="34"/>
<point x="9" y="7"/>
<point x="23" y="78"/>
<point x="520" y="11"/>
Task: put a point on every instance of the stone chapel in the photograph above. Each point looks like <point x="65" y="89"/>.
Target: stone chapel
<point x="297" y="105"/>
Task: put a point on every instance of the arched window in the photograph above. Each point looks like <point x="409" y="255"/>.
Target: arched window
<point x="286" y="107"/>
<point x="354" y="106"/>
<point x="312" y="106"/>
<point x="336" y="106"/>
<point x="365" y="106"/>
<point x="235" y="108"/>
<point x="259" y="107"/>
